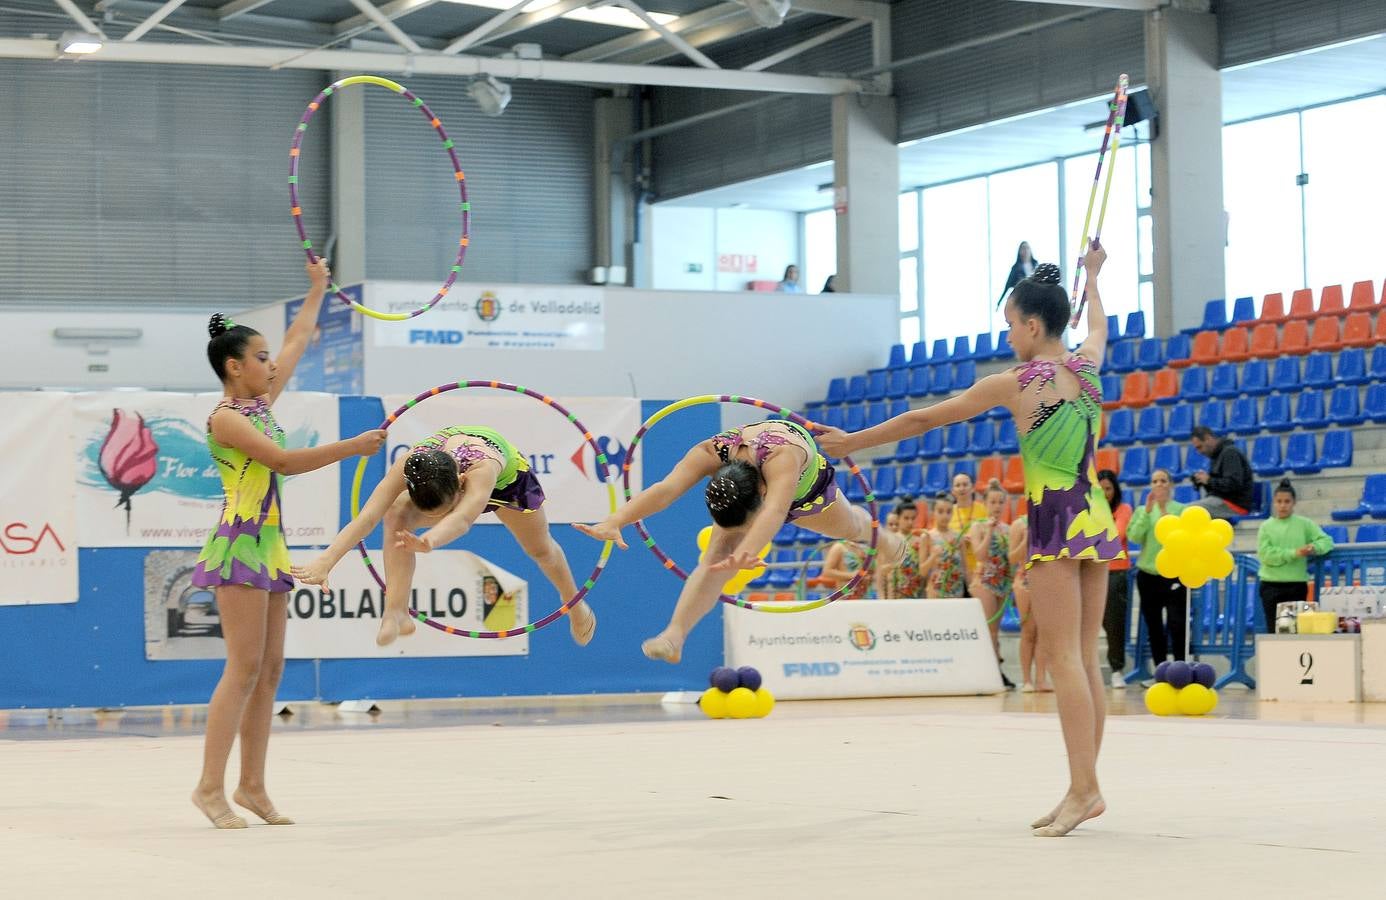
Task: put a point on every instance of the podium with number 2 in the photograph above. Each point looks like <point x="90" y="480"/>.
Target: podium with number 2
<point x="1309" y="668"/>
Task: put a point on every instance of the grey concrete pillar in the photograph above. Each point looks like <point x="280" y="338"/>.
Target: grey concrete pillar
<point x="348" y="109"/>
<point x="866" y="185"/>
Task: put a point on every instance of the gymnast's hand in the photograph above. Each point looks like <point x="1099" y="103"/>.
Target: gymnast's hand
<point x="319" y="275"/>
<point x="741" y="559"/>
<point x="408" y="540"/>
<point x="833" y="442"/>
<point x="602" y="531"/>
<point x="315" y="572"/>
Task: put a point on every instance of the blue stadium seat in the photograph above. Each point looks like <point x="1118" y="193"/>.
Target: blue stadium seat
<point x="983" y="441"/>
<point x="998" y="412"/>
<point x="919" y="382"/>
<point x="1244" y="419"/>
<point x="1337" y="450"/>
<point x="787" y="535"/>
<point x="856" y="389"/>
<point x="931" y="444"/>
<point x="1121" y="428"/>
<point x="1003" y="346"/>
<point x="1374" y="495"/>
<point x="896" y="360"/>
<point x="1135" y="325"/>
<point x="1150" y="427"/>
<point x="1342" y="406"/>
<point x="1370" y="533"/>
<point x="964" y="375"/>
<point x="1185" y="493"/>
<point x="855" y="492"/>
<point x="875" y="413"/>
<point x="876" y="385"/>
<point x="856" y="418"/>
<point x="1113" y="328"/>
<point x="964" y="465"/>
<point x="941" y="379"/>
<point x="936" y="478"/>
<point x="1135" y="466"/>
<point x="1275" y="413"/>
<point x="911" y="480"/>
<point x="940" y="352"/>
<point x="1256" y="378"/>
<point x="1194" y="461"/>
<point x="1285" y="375"/>
<point x="837" y="391"/>
<point x="883" y="482"/>
<point x="1193" y="385"/>
<point x="1301" y="455"/>
<point x="919" y="354"/>
<point x="1374" y="406"/>
<point x="1121" y="357"/>
<point x="1224" y="381"/>
<point x="1377" y="370"/>
<point x="898" y="384"/>
<point x="1167" y="457"/>
<point x="1213" y="415"/>
<point x="907" y="450"/>
<point x="1318" y="371"/>
<point x="786" y="576"/>
<point x="982" y="348"/>
<point x="961" y="349"/>
<point x="1214" y="317"/>
<point x="1178" y="346"/>
<point x="1111" y="388"/>
<point x="1150" y="356"/>
<point x="1309" y="411"/>
<point x="1339" y="533"/>
<point x="1265" y="456"/>
<point x="1006" y="439"/>
<point x="1243" y="310"/>
<point x="897" y="408"/>
<point x="1181" y="422"/>
<point x="1352" y="366"/>
<point x="955" y="440"/>
<point x="833" y="417"/>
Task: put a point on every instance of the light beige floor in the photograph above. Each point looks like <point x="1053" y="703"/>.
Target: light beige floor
<point x="917" y="798"/>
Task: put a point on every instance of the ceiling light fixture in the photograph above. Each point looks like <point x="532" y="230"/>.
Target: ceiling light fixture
<point x="492" y="95"/>
<point x="767" y="13"/>
<point x="77" y="43"/>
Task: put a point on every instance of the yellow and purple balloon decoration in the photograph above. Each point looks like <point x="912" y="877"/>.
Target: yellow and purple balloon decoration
<point x="1194" y="547"/>
<point x="737" y="583"/>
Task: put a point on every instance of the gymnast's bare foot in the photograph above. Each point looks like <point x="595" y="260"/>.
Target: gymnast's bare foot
<point x="214" y="806"/>
<point x="392" y="626"/>
<point x="582" y="623"/>
<point x="258" y="802"/>
<point x="663" y="647"/>
<point x="1072" y="811"/>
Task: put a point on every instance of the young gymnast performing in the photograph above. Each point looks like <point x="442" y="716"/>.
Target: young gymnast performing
<point x="444" y="483"/>
<point x="762" y="476"/>
<point x="1056" y="397"/>
<point x="246" y="558"/>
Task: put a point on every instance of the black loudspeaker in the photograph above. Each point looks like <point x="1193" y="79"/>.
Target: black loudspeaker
<point x="1140" y="108"/>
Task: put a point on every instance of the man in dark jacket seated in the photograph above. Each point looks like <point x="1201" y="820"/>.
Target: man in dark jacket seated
<point x="1228" y="485"/>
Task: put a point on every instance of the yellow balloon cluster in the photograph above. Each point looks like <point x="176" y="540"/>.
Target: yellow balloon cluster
<point x="1194" y="547"/>
<point x="737" y="583"/>
<point x="741" y="703"/>
<point x="1191" y="700"/>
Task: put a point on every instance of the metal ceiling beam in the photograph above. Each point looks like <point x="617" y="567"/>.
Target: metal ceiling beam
<point x="1135" y="5"/>
<point x="523" y="22"/>
<point x="240" y="8"/>
<point x="670" y="37"/>
<point x="393" y="11"/>
<point x="435" y="64"/>
<point x="79" y="17"/>
<point x="158" y="16"/>
<point x="485" y="29"/>
<point x="616" y="46"/>
<point x="846" y="9"/>
<point x="369" y="10"/>
<point x="701" y="37"/>
<point x="817" y="40"/>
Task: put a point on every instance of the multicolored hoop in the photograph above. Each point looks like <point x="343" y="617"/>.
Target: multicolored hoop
<point x="296" y="208"/>
<point x="792" y="417"/>
<point x="601" y="463"/>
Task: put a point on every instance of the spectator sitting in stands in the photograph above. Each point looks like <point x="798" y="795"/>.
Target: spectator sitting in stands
<point x="1228" y="484"/>
<point x="790" y="283"/>
<point x="830" y="286"/>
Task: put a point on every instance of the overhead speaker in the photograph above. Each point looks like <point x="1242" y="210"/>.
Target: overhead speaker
<point x="1140" y="108"/>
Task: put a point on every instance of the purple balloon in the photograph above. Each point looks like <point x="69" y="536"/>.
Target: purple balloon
<point x="1204" y="674"/>
<point x="724" y="678"/>
<point x="1162" y="672"/>
<point x="749" y="678"/>
<point x="1179" y="673"/>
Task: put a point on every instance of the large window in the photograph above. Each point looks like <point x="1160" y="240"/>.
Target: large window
<point x="1020" y="204"/>
<point x="1121" y="274"/>
<point x="957" y="280"/>
<point x="1345" y="197"/>
<point x="1265" y="225"/>
<point x="820" y="249"/>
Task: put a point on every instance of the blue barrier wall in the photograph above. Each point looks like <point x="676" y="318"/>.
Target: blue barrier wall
<point x="91" y="653"/>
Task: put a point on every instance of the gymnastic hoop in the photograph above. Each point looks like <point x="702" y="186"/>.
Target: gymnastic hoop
<point x="1116" y="116"/>
<point x="602" y="462"/>
<point x="296" y="208"/>
<point x="791" y="416"/>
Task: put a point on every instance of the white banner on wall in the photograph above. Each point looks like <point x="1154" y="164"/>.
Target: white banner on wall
<point x="563" y="462"/>
<point x="38" y="503"/>
<point x="494" y="317"/>
<point x="145" y="477"/>
<point x="454" y="587"/>
<point x="889" y="648"/>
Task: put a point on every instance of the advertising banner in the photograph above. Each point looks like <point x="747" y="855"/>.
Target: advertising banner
<point x="38" y="500"/>
<point x="495" y="317"/>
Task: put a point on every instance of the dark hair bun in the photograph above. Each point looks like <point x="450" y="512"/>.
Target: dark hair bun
<point x="1046" y="273"/>
<point x="218" y="325"/>
<point x="721" y="494"/>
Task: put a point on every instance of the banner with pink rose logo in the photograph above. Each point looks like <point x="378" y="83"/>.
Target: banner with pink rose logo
<point x="38" y="508"/>
<point x="145" y="477"/>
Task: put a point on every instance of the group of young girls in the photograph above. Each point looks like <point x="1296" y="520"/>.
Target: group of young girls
<point x="758" y="477"/>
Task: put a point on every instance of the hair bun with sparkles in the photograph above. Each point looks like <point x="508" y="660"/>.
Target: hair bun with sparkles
<point x="219" y="325"/>
<point x="1046" y="273"/>
<point x="721" y="494"/>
